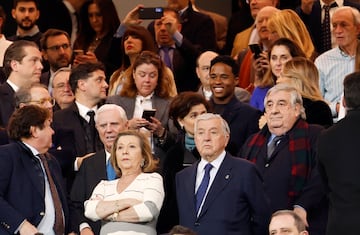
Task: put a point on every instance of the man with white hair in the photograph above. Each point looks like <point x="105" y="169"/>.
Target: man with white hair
<point x="110" y="119"/>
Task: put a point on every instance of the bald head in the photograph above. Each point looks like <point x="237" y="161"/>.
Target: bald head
<point x="261" y="21"/>
<point x="203" y="67"/>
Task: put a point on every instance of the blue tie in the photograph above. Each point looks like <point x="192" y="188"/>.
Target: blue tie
<point x="200" y="194"/>
<point x="111" y="175"/>
<point x="166" y="58"/>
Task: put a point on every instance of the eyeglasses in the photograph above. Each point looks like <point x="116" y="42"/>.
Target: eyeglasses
<point x="43" y="101"/>
<point x="57" y="47"/>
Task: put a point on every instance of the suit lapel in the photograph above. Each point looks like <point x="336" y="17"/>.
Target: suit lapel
<point x="33" y="168"/>
<point x="189" y="191"/>
<point x="222" y="178"/>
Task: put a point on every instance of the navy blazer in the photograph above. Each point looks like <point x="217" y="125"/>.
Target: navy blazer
<point x="243" y="122"/>
<point x="22" y="187"/>
<point x="235" y="203"/>
<point x="339" y="161"/>
<point x="91" y="172"/>
<point x="7" y="103"/>
<point x="313" y="22"/>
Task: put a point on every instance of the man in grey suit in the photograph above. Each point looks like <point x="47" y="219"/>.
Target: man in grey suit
<point x="110" y="120"/>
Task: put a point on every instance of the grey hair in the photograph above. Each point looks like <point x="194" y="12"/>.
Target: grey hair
<point x="108" y="107"/>
<point x="295" y="96"/>
<point x="355" y="13"/>
<point x="208" y="116"/>
<point x="60" y="70"/>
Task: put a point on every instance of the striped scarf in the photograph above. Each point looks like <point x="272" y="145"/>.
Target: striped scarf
<point x="300" y="151"/>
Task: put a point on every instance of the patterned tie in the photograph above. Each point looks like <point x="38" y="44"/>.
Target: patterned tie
<point x="325" y="28"/>
<point x="111" y="175"/>
<point x="272" y="145"/>
<point x="59" y="220"/>
<point x="166" y="58"/>
<point x="200" y="194"/>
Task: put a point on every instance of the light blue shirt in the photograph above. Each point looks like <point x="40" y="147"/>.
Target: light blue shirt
<point x="333" y="66"/>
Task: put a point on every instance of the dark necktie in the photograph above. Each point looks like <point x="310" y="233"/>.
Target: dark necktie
<point x="92" y="128"/>
<point x="325" y="28"/>
<point x="200" y="194"/>
<point x="59" y="220"/>
<point x="167" y="59"/>
<point x="272" y="145"/>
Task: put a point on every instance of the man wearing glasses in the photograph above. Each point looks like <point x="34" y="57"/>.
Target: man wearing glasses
<point x="22" y="67"/>
<point x="56" y="51"/>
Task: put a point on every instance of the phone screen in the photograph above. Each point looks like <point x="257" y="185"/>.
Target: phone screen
<point x="147" y="113"/>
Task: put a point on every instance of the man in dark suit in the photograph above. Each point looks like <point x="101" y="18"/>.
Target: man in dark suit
<point x="339" y="160"/>
<point x="57" y="52"/>
<point x="229" y="198"/>
<point x="285" y="153"/>
<point x="110" y="120"/>
<point x="311" y="14"/>
<point x="22" y="67"/>
<point x="179" y="55"/>
<point x="32" y="196"/>
<point x="242" y="118"/>
<point x="87" y="81"/>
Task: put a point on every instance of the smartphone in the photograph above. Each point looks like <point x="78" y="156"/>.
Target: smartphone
<point x="256" y="49"/>
<point x="149" y="13"/>
<point x="147" y="113"/>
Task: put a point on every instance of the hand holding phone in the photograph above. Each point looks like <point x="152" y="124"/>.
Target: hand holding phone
<point x="147" y="113"/>
<point x="256" y="49"/>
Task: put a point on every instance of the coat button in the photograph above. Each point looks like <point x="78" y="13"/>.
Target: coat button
<point x="267" y="165"/>
<point x="197" y="224"/>
<point x="42" y="213"/>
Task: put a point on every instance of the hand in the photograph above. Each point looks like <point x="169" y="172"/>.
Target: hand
<point x="170" y="23"/>
<point x="88" y="57"/>
<point x="132" y="17"/>
<point x="86" y="231"/>
<point x="306" y="6"/>
<point x="27" y="228"/>
<point x="137" y="123"/>
<point x="156" y="127"/>
<point x="261" y="65"/>
<point x="79" y="160"/>
<point x="262" y="121"/>
<point x="301" y="212"/>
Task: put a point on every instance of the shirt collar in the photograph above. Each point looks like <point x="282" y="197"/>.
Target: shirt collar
<point x="338" y="2"/>
<point x="83" y="110"/>
<point x="31" y="32"/>
<point x="216" y="163"/>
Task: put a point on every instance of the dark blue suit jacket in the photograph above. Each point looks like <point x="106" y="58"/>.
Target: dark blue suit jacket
<point x="22" y="187"/>
<point x="313" y="22"/>
<point x="7" y="103"/>
<point x="243" y="122"/>
<point x="235" y="203"/>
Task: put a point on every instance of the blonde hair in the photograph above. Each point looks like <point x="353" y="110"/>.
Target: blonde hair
<point x="304" y="76"/>
<point x="150" y="163"/>
<point x="287" y="24"/>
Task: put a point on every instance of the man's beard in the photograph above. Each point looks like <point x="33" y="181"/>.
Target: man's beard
<point x="26" y="27"/>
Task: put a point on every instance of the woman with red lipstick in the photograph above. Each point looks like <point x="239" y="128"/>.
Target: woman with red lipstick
<point x="281" y="51"/>
<point x="135" y="40"/>
<point x="131" y="203"/>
